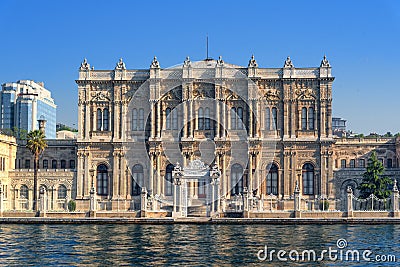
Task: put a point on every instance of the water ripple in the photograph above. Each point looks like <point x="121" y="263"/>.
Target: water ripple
<point x="182" y="245"/>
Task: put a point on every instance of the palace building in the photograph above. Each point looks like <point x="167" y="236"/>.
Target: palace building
<point x="264" y="131"/>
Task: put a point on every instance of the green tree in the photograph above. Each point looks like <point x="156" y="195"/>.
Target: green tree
<point x="36" y="144"/>
<point x="374" y="182"/>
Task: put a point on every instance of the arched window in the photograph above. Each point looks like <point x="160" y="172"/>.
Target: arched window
<point x="175" y="119"/>
<point x="274" y="119"/>
<point x="62" y="192"/>
<point x="240" y="120"/>
<point x="168" y="118"/>
<point x="102" y="180"/>
<point x="201" y="119"/>
<point x="207" y="119"/>
<point x="267" y="119"/>
<point x="141" y="119"/>
<point x="134" y="119"/>
<point x="54" y="164"/>
<point x="137" y="179"/>
<point x="272" y="180"/>
<point x="105" y="119"/>
<point x="99" y="120"/>
<point x="308" y="179"/>
<point x="236" y="179"/>
<point x="304" y="119"/>
<point x="63" y="164"/>
<point x="311" y="119"/>
<point x="24" y="192"/>
<point x="233" y="118"/>
<point x="168" y="180"/>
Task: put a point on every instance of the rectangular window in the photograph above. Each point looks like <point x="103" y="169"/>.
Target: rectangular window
<point x="361" y="163"/>
<point x="304" y="119"/>
<point x="27" y="164"/>
<point x="45" y="164"/>
<point x="389" y="163"/>
<point x="343" y="163"/>
<point x="275" y="119"/>
<point x="267" y="119"/>
<point x="63" y="164"/>
<point x="352" y="163"/>
<point x="54" y="164"/>
<point x="141" y="119"/>
<point x="72" y="164"/>
<point x="311" y="119"/>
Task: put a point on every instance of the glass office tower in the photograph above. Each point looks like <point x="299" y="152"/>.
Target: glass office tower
<point x="23" y="103"/>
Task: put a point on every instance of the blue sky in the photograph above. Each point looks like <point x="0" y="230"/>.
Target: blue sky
<point x="47" y="40"/>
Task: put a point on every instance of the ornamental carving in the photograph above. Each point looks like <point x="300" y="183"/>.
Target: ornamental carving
<point x="305" y="94"/>
<point x="100" y="96"/>
<point x="171" y="95"/>
<point x="272" y="94"/>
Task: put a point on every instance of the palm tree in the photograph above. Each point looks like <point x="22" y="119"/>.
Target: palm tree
<point x="36" y="144"/>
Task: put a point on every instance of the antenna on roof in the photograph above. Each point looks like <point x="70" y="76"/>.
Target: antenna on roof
<point x="207" y="47"/>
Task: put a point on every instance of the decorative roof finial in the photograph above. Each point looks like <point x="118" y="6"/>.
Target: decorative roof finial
<point x="187" y="62"/>
<point x="325" y="63"/>
<point x="220" y="62"/>
<point x="288" y="63"/>
<point x="120" y="65"/>
<point x="155" y="63"/>
<point x="84" y="65"/>
<point x="252" y="62"/>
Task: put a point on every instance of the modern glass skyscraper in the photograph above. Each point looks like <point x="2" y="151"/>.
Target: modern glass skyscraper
<point x="23" y="103"/>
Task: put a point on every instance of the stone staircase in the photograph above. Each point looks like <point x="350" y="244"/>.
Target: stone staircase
<point x="197" y="209"/>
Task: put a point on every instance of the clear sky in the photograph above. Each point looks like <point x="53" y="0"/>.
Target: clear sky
<point x="47" y="40"/>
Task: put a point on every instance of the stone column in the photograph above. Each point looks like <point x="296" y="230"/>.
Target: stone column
<point x="223" y="119"/>
<point x="395" y="200"/>
<point x="297" y="201"/>
<point x="1" y="200"/>
<point x="143" y="202"/>
<point x="79" y="176"/>
<point x="123" y="119"/>
<point x="42" y="201"/>
<point x="251" y="119"/>
<point x="159" y="117"/>
<point x="349" y="206"/>
<point x="250" y="171"/>
<point x="80" y="113"/>
<point x="92" y="202"/>
<point x="87" y="120"/>
<point x="115" y="180"/>
<point x="86" y="175"/>
<point x="151" y="174"/>
<point x="218" y="116"/>
<point x="116" y="123"/>
<point x="159" y="179"/>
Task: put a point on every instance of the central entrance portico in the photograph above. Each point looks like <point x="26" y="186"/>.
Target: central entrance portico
<point x="207" y="180"/>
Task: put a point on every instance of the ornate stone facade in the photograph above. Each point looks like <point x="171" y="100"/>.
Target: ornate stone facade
<point x="56" y="174"/>
<point x="265" y="128"/>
